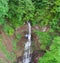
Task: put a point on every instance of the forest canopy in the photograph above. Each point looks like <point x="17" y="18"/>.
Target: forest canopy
<point x="42" y="12"/>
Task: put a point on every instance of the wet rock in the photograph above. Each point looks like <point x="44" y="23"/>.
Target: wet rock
<point x="36" y="55"/>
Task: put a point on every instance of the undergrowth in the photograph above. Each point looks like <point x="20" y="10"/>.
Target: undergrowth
<point x="53" y="55"/>
<point x="45" y="39"/>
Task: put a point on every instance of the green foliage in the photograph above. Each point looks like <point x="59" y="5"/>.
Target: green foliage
<point x="18" y="37"/>
<point x="14" y="44"/>
<point x="9" y="30"/>
<point x="41" y="12"/>
<point x="44" y="38"/>
<point x="52" y="56"/>
<point x="47" y="13"/>
<point x="20" y="11"/>
<point x="3" y="10"/>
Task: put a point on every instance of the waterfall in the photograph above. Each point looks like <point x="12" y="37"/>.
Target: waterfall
<point x="27" y="47"/>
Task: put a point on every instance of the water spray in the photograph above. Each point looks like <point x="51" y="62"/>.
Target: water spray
<point x="27" y="47"/>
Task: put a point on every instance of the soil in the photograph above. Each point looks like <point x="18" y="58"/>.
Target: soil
<point x="36" y="55"/>
<point x="7" y="41"/>
<point x="2" y="54"/>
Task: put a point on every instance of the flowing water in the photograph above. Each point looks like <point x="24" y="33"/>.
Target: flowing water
<point x="27" y="47"/>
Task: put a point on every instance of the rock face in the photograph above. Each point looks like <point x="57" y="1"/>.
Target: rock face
<point x="36" y="55"/>
<point x="7" y="41"/>
<point x="23" y="40"/>
<point x="35" y="42"/>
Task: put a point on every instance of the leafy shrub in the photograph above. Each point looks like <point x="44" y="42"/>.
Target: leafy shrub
<point x="44" y="39"/>
<point x="20" y="11"/>
<point x="9" y="30"/>
<point x="41" y="12"/>
<point x="52" y="56"/>
<point x="3" y="10"/>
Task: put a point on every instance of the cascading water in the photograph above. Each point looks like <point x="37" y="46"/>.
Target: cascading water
<point x="27" y="47"/>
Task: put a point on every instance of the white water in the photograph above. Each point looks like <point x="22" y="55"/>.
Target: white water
<point x="27" y="47"/>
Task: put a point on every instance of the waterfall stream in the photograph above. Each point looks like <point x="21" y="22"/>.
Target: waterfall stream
<point x="27" y="47"/>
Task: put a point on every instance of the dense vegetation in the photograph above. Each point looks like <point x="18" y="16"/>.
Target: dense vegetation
<point x="14" y="13"/>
